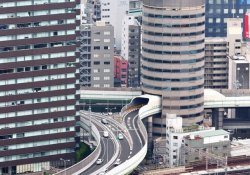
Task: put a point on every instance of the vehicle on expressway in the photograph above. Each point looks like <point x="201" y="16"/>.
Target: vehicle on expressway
<point x="117" y="162"/>
<point x="105" y="134"/>
<point x="104" y="121"/>
<point x="120" y="136"/>
<point x="99" y="161"/>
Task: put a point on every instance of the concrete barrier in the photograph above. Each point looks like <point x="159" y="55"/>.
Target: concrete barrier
<point x="88" y="161"/>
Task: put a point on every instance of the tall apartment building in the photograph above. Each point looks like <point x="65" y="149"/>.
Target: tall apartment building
<point x="173" y="57"/>
<point x="131" y="48"/>
<point x="217" y="13"/>
<point x="216" y="63"/>
<point x="38" y="84"/>
<point x="97" y="52"/>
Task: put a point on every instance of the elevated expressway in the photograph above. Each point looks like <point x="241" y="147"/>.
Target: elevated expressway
<point x="132" y="150"/>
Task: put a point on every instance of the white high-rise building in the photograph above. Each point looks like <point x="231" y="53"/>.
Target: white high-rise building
<point x="113" y="11"/>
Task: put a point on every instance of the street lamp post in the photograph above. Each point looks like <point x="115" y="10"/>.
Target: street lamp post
<point x="110" y="109"/>
<point x="64" y="163"/>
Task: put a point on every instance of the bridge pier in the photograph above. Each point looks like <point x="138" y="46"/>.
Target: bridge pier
<point x="150" y="132"/>
<point x="217" y="117"/>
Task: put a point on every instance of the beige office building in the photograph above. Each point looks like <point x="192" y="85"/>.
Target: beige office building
<point x="173" y="33"/>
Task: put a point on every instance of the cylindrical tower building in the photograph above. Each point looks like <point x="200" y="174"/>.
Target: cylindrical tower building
<point x="173" y="56"/>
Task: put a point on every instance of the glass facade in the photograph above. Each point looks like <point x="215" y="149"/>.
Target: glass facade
<point x="217" y="12"/>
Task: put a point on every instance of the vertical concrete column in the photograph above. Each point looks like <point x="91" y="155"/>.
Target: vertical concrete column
<point x="217" y="117"/>
<point x="150" y="132"/>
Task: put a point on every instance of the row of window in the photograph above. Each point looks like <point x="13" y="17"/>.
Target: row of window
<point x="173" y="16"/>
<point x="184" y="107"/>
<point x="104" y="85"/>
<point x="192" y="115"/>
<point x="36" y="24"/>
<point x="37" y="111"/>
<point x="36" y="79"/>
<point x="172" y="70"/>
<point x="173" y="34"/>
<point x="36" y="100"/>
<point x="98" y="78"/>
<point x="35" y="144"/>
<point x="173" y="80"/>
<point x="36" y="154"/>
<point x="173" y="61"/>
<point x="172" y="25"/>
<point x="36" y="133"/>
<point x="172" y="43"/>
<point x="36" y="122"/>
<point x="37" y="89"/>
<point x="29" y="2"/>
<point x="36" y="35"/>
<point x="172" y="52"/>
<point x="37" y="13"/>
<point x="37" y="57"/>
<point x="37" y="46"/>
<point x="173" y="88"/>
<point x="184" y="97"/>
<point x="36" y="68"/>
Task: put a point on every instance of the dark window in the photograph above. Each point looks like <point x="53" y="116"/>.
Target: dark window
<point x="27" y="69"/>
<point x="175" y="137"/>
<point x="20" y="69"/>
<point x="96" y="47"/>
<point x="106" y="47"/>
<point x="96" y="62"/>
<point x="36" y="67"/>
<point x="44" y="67"/>
<point x="37" y="46"/>
<point x="23" y="47"/>
<point x="106" y="62"/>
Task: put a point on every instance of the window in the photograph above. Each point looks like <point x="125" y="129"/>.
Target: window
<point x="106" y="47"/>
<point x="106" y="40"/>
<point x="175" y="137"/>
<point x="96" y="47"/>
<point x="106" y="78"/>
<point x="96" y="78"/>
<point x="106" y="62"/>
<point x="96" y="62"/>
<point x="106" y="32"/>
<point x="106" y="70"/>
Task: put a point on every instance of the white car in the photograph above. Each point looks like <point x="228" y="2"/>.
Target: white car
<point x="104" y="121"/>
<point x="120" y="136"/>
<point x="117" y="162"/>
<point x="99" y="161"/>
<point x="105" y="134"/>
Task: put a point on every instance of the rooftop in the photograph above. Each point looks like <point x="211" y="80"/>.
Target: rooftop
<point x="213" y="133"/>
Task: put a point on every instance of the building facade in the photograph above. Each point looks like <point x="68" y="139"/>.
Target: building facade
<point x="240" y="66"/>
<point x="173" y="58"/>
<point x="97" y="52"/>
<point x="216" y="63"/>
<point x="120" y="71"/>
<point x="131" y="48"/>
<point x="38" y="84"/>
<point x="92" y="11"/>
<point x="217" y="13"/>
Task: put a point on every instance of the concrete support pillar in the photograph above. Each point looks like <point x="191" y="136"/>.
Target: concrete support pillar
<point x="217" y="117"/>
<point x="150" y="132"/>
